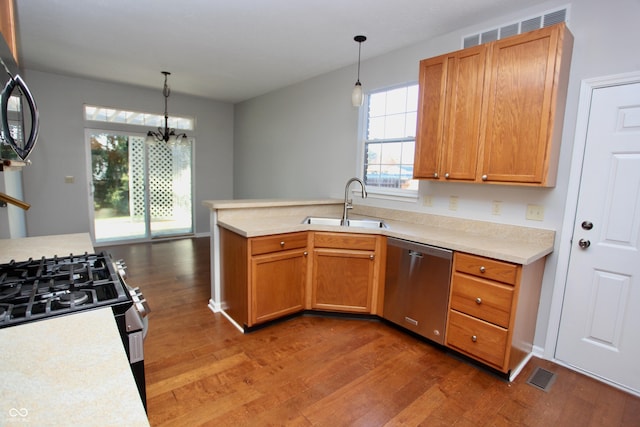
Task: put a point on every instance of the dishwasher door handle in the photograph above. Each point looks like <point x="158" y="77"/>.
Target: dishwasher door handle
<point x="410" y="320"/>
<point x="415" y="254"/>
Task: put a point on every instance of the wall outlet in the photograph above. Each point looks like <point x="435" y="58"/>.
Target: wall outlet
<point x="427" y="201"/>
<point x="535" y="212"/>
<point x="496" y="207"/>
<point x="453" y="203"/>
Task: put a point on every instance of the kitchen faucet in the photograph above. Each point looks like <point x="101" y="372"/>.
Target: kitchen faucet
<point x="348" y="203"/>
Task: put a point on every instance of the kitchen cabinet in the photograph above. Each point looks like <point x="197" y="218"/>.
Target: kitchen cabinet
<point x="449" y="110"/>
<point x="493" y="308"/>
<point x="494" y="113"/>
<point x="7" y="26"/>
<point x="278" y="276"/>
<point x="263" y="278"/>
<point x="347" y="272"/>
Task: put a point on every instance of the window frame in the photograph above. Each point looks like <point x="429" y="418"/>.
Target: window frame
<point x="373" y="191"/>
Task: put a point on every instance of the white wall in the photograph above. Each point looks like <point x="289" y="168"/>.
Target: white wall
<point x="301" y="141"/>
<point x="59" y="208"/>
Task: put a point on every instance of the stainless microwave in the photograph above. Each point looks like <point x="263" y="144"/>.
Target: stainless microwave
<point x="18" y="112"/>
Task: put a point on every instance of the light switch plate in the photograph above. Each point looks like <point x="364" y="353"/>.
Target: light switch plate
<point x="68" y="179"/>
<point x="427" y="201"/>
<point x="535" y="212"/>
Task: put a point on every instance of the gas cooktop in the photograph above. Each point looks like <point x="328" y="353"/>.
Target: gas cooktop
<point x="40" y="288"/>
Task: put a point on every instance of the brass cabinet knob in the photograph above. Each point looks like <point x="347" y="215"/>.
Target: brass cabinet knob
<point x="482" y="269"/>
<point x="282" y="244"/>
<point x="446" y="175"/>
<point x="478" y="300"/>
<point x="371" y="256"/>
<point x="474" y="338"/>
<point x="485" y="177"/>
<point x="435" y="175"/>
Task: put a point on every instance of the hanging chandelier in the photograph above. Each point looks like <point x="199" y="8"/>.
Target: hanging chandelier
<point x="356" y="96"/>
<point x="167" y="134"/>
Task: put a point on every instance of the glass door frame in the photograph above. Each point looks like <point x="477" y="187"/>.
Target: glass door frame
<point x="119" y="130"/>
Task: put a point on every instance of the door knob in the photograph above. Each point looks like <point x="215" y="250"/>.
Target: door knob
<point x="584" y="244"/>
<point x="587" y="225"/>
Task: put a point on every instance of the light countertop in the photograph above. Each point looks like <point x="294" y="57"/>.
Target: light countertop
<point x="521" y="245"/>
<point x="47" y="246"/>
<point x="68" y="370"/>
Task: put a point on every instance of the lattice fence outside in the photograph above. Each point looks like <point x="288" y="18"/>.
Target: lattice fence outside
<point x="169" y="180"/>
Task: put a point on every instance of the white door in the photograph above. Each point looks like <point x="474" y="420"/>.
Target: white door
<point x="600" y="324"/>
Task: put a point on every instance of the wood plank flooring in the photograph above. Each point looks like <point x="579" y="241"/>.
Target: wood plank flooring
<point x="319" y="371"/>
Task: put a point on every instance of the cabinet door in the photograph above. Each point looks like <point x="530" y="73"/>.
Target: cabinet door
<point x="431" y="109"/>
<point x="342" y="280"/>
<point x="277" y="284"/>
<point x="465" y="81"/>
<point x="523" y="83"/>
<point x="450" y="106"/>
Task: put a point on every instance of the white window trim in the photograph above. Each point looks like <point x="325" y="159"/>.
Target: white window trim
<point x="373" y="191"/>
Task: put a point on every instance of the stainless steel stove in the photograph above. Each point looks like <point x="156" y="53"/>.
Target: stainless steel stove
<point x="38" y="289"/>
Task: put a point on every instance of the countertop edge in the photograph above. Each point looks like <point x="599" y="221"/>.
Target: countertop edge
<point x="265" y="203"/>
<point x="515" y="251"/>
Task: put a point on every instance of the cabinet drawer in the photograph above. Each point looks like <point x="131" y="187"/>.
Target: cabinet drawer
<point x="281" y="242"/>
<point x="479" y="339"/>
<point x="480" y="298"/>
<point x="345" y="241"/>
<point x="486" y="268"/>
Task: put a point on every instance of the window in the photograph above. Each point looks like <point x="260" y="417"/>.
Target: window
<point x="112" y="115"/>
<point x="390" y="139"/>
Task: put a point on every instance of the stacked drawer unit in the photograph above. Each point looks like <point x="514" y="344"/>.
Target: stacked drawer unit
<point x="489" y="319"/>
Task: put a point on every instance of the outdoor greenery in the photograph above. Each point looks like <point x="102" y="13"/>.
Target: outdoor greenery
<point x="110" y="160"/>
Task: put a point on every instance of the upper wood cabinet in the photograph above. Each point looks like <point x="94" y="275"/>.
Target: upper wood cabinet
<point x="449" y="113"/>
<point x="7" y="26"/>
<point x="494" y="113"/>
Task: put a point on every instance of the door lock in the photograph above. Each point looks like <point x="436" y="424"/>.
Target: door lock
<point x="587" y="225"/>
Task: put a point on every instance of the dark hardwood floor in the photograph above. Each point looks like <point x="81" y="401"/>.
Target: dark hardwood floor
<point x="321" y="371"/>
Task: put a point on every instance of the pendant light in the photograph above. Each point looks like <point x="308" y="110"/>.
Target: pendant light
<point x="166" y="135"/>
<point x="356" y="96"/>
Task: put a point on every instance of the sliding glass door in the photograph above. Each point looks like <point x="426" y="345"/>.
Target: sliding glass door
<point x="139" y="191"/>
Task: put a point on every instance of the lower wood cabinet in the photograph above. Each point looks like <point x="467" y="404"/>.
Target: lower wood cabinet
<point x="346" y="272"/>
<point x="493" y="308"/>
<point x="277" y="278"/>
<point x="262" y="278"/>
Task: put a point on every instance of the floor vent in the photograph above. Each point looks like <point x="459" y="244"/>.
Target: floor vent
<point x="543" y="20"/>
<point x="542" y="379"/>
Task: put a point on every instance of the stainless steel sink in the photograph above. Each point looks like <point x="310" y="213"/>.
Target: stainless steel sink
<point x="364" y="223"/>
<point x="315" y="220"/>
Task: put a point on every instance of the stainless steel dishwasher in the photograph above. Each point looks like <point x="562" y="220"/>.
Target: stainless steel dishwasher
<point x="417" y="287"/>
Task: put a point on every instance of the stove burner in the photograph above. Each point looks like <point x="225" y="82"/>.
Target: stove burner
<point x="76" y="266"/>
<point x="3" y="313"/>
<point x="76" y="298"/>
<point x="9" y="291"/>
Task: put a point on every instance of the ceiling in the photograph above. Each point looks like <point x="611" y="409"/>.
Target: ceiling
<point x="229" y="50"/>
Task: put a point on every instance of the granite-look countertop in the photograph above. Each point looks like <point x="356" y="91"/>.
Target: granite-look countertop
<point x="521" y="245"/>
<point x="47" y="246"/>
<point x="68" y="370"/>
